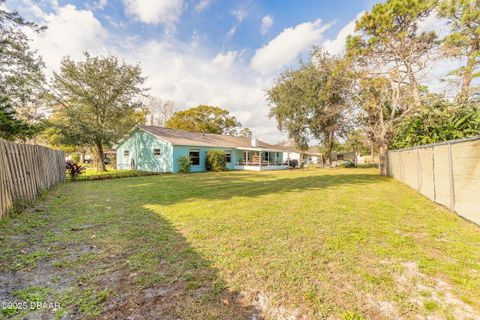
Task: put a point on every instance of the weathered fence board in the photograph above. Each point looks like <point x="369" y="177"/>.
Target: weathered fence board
<point x="26" y="170"/>
<point x="447" y="173"/>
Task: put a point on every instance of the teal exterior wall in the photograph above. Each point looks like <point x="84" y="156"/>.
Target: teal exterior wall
<point x="140" y="146"/>
<point x="179" y="151"/>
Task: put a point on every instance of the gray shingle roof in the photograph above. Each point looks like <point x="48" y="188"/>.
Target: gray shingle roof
<point x="186" y="138"/>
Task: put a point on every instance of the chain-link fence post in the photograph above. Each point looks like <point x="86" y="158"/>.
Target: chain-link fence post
<point x="452" y="186"/>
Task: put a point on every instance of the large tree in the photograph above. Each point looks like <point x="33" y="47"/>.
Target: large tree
<point x="95" y="102"/>
<point x="205" y="119"/>
<point x="313" y="101"/>
<point x="464" y="40"/>
<point x="384" y="103"/>
<point x="389" y="43"/>
<point x="159" y="110"/>
<point x="245" y="132"/>
<point x="21" y="75"/>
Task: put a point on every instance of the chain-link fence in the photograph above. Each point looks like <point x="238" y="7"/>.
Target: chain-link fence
<point x="447" y="173"/>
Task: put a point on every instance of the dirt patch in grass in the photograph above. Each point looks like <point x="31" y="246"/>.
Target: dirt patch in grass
<point x="434" y="294"/>
<point x="112" y="270"/>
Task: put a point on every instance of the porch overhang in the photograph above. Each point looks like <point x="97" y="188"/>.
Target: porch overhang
<point x="258" y="149"/>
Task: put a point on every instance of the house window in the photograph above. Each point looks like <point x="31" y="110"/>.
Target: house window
<point x="195" y="157"/>
<point x="126" y="153"/>
<point x="156" y="152"/>
<point x="339" y="156"/>
<point x="228" y="157"/>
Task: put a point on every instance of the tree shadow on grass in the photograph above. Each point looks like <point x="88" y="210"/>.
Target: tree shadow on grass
<point x="166" y="278"/>
<point x="122" y="262"/>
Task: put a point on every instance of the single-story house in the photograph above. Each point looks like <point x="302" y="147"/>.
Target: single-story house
<point x="157" y="149"/>
<point x="308" y="156"/>
<point x="343" y="156"/>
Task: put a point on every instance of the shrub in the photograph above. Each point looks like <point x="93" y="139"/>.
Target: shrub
<point x="347" y="164"/>
<point x="184" y="163"/>
<point x="73" y="168"/>
<point x="215" y="160"/>
<point x="76" y="157"/>
<point x="293" y="163"/>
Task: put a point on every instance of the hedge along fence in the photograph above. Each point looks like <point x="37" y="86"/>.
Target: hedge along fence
<point x="447" y="173"/>
<point x="26" y="170"/>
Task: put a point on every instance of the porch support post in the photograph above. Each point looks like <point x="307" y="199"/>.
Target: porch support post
<point x="260" y="159"/>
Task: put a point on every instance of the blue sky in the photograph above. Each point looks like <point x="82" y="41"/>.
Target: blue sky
<point x="213" y="21"/>
<point x="224" y="53"/>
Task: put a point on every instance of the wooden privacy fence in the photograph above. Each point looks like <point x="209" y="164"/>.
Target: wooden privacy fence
<point x="447" y="173"/>
<point x="25" y="170"/>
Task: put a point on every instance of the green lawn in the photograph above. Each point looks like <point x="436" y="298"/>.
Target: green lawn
<point x="339" y="243"/>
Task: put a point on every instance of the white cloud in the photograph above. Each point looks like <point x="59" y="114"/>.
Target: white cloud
<point x="225" y="59"/>
<point x="190" y="76"/>
<point x="240" y="13"/>
<point x="231" y="32"/>
<point x="267" y="23"/>
<point x="202" y="5"/>
<point x="286" y="47"/>
<point x="187" y="72"/>
<point x="63" y="35"/>
<point x="102" y="3"/>
<point x="434" y="23"/>
<point x="337" y="46"/>
<point x="166" y="12"/>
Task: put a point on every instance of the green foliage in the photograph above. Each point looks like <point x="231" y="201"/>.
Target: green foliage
<point x="352" y="316"/>
<point x="437" y="122"/>
<point x="388" y="41"/>
<point x="215" y="160"/>
<point x="12" y="128"/>
<point x="312" y="101"/>
<point x="205" y="119"/>
<point x="347" y="164"/>
<point x="96" y="102"/>
<point x="76" y="157"/>
<point x="464" y="39"/>
<point x="184" y="164"/>
<point x="245" y="132"/>
<point x="357" y="141"/>
<point x="21" y="75"/>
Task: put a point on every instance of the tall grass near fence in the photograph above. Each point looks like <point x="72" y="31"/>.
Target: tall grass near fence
<point x="447" y="173"/>
<point x="26" y="170"/>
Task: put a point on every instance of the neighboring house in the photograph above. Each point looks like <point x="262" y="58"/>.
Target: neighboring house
<point x="341" y="156"/>
<point x="88" y="157"/>
<point x="108" y="156"/>
<point x="157" y="149"/>
<point x="309" y="156"/>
